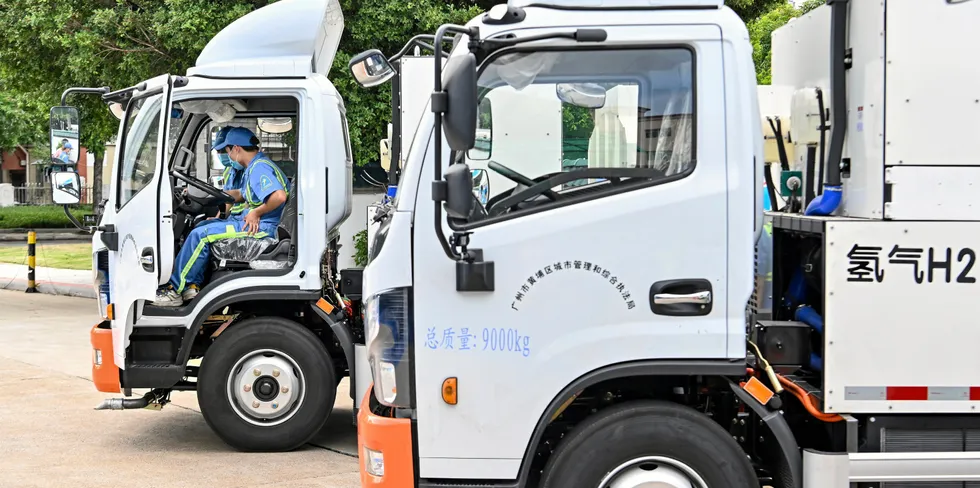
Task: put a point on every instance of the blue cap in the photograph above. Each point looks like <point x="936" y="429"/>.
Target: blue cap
<point x="67" y="145"/>
<point x="237" y="136"/>
<point x="220" y="136"/>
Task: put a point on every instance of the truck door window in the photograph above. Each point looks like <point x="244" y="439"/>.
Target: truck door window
<point x="139" y="149"/>
<point x="629" y="111"/>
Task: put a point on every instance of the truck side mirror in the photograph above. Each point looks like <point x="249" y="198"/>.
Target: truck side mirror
<point x="460" y="116"/>
<point x="64" y="130"/>
<point x="370" y="68"/>
<point x="459" y="191"/>
<point x="66" y="187"/>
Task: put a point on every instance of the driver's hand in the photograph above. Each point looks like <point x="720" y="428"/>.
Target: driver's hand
<point x="251" y="223"/>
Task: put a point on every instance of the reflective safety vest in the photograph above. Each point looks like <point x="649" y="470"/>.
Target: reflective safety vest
<point x="238" y="207"/>
<point x="254" y="202"/>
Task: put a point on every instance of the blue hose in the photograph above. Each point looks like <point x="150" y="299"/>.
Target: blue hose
<point x="816" y="362"/>
<point x="809" y="316"/>
<point x="796" y="292"/>
<point x="826" y="202"/>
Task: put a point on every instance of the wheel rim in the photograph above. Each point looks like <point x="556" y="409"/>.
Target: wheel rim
<point x="653" y="472"/>
<point x="266" y="387"/>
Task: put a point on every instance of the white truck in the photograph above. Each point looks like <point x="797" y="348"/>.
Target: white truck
<point x="276" y="326"/>
<point x="600" y="335"/>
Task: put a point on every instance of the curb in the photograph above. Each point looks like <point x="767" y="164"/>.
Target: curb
<point x="44" y="235"/>
<point x="51" y="288"/>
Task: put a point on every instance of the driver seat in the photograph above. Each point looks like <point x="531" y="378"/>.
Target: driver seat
<point x="272" y="252"/>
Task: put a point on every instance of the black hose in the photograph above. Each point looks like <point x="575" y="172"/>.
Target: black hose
<point x="771" y="187"/>
<point x="823" y="139"/>
<point x="811" y="156"/>
<point x="838" y="90"/>
<point x="777" y="130"/>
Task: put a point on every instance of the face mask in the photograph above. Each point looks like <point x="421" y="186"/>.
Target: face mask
<point x="225" y="159"/>
<point x="237" y="165"/>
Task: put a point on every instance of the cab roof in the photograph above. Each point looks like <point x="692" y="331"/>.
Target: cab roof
<point x="283" y="39"/>
<point x="617" y="4"/>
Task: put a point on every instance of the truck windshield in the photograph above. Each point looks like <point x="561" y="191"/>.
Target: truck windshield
<point x="544" y="113"/>
<point x="141" y="135"/>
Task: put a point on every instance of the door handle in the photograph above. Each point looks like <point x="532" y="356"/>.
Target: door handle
<point x="701" y="298"/>
<point x="681" y="298"/>
<point x="146" y="259"/>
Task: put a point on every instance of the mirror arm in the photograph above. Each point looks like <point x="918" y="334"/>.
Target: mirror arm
<point x="99" y="91"/>
<point x="120" y="95"/>
<point x="439" y="105"/>
<point x="75" y="221"/>
<point x="417" y="40"/>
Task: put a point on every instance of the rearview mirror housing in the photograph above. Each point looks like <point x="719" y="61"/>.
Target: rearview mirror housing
<point x="66" y="188"/>
<point x="64" y="131"/>
<point x="459" y="191"/>
<point x="370" y="68"/>
<point x="459" y="122"/>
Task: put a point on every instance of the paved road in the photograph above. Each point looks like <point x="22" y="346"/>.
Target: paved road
<point x="50" y="436"/>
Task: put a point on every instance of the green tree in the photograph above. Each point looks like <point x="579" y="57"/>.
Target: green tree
<point x="760" y="33"/>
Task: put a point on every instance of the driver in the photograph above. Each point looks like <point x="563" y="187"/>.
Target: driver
<point x="264" y="191"/>
<point x="231" y="177"/>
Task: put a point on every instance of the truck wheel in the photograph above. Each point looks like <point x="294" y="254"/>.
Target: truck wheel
<point x="266" y="384"/>
<point x="649" y="443"/>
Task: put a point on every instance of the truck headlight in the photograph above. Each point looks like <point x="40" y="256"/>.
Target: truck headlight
<point x="388" y="329"/>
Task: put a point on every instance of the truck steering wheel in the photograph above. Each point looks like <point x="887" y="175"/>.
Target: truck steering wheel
<point x="200" y="185"/>
<point x="519" y="178"/>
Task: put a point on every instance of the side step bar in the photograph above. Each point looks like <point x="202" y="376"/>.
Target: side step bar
<point x="838" y="470"/>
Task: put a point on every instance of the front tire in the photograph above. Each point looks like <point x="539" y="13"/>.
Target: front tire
<point x="267" y="384"/>
<point x="649" y="442"/>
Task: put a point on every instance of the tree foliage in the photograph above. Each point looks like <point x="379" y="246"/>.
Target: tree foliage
<point x="47" y="46"/>
<point x="761" y="29"/>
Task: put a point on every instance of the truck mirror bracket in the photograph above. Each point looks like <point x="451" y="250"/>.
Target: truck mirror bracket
<point x="474" y="274"/>
<point x="110" y="237"/>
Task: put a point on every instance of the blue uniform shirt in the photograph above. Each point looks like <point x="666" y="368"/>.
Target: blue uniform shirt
<point x="233" y="180"/>
<point x="263" y="178"/>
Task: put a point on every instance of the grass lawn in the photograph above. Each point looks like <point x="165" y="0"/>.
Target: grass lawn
<point x="65" y="256"/>
<point x="40" y="216"/>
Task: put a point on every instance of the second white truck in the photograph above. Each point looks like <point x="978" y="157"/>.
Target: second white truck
<point x="600" y="335"/>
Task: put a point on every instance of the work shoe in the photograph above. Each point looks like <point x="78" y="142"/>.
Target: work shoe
<point x="168" y="297"/>
<point x="190" y="292"/>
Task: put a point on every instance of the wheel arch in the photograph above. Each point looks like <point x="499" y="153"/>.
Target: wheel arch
<point x="644" y="368"/>
<point x="252" y="294"/>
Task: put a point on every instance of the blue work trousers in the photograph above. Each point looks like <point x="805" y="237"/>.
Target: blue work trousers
<point x="193" y="257"/>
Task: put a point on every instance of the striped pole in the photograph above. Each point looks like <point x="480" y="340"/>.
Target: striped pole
<point x="31" y="244"/>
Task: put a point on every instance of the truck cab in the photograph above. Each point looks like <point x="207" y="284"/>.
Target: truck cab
<point x="270" y="334"/>
<point x="486" y="320"/>
<point x="593" y="322"/>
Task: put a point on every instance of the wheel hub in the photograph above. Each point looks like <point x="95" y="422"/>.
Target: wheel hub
<point x="266" y="387"/>
<point x="653" y="472"/>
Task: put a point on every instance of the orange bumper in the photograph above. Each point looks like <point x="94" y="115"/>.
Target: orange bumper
<point x="391" y="440"/>
<point x="105" y="373"/>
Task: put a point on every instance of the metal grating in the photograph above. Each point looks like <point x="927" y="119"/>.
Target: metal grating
<point x="913" y="440"/>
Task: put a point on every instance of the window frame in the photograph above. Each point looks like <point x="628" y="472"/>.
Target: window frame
<point x="585" y="196"/>
<point x="121" y="158"/>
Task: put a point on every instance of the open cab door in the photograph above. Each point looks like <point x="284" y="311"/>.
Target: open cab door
<point x="137" y="227"/>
